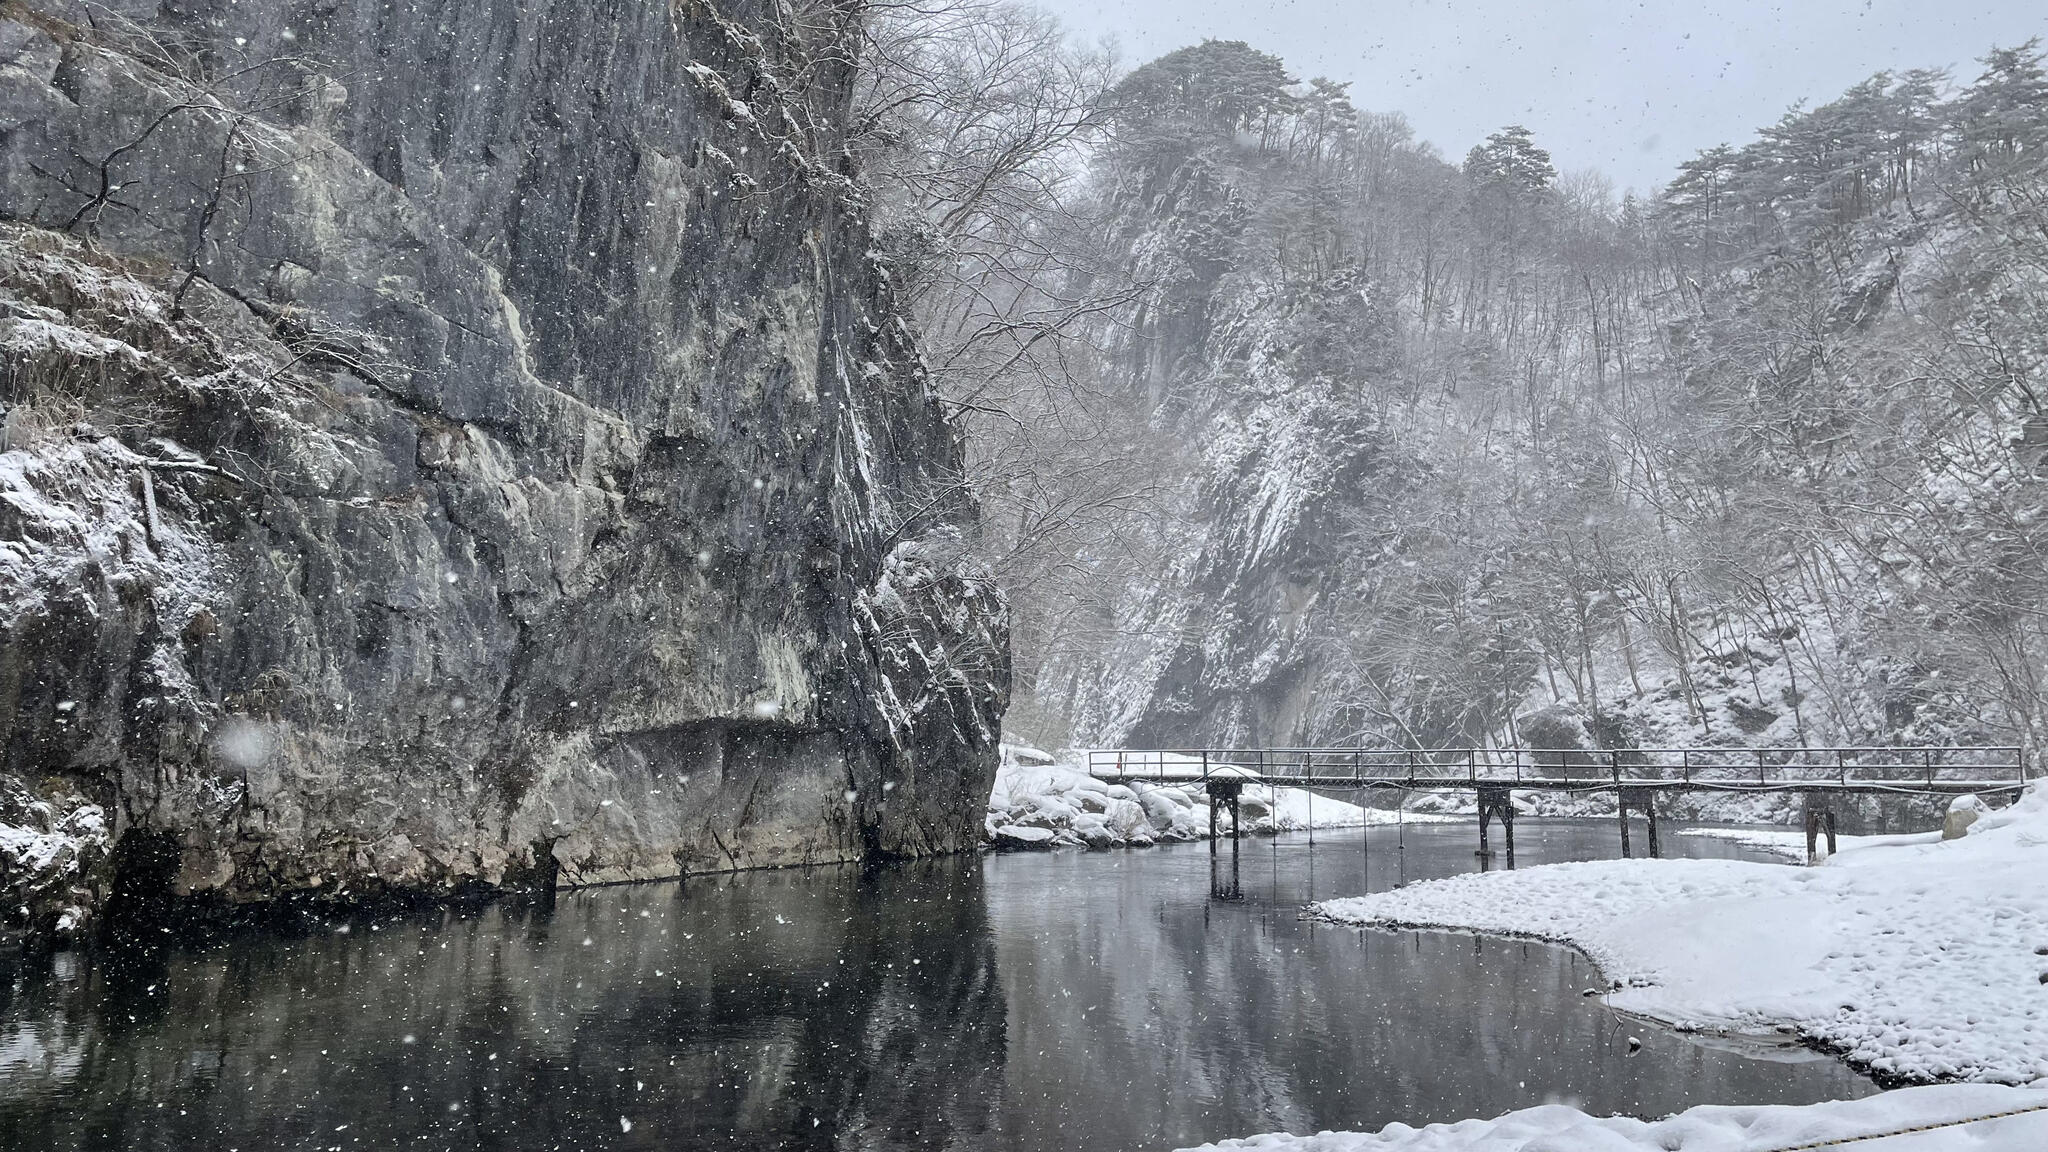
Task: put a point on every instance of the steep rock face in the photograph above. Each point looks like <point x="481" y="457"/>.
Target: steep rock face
<point x="1264" y="386"/>
<point x="451" y="442"/>
<point x="1227" y="647"/>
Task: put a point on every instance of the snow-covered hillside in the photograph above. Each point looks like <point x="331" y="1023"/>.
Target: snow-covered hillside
<point x="1449" y="456"/>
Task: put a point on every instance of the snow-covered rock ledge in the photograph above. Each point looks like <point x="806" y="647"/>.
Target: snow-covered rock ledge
<point x="53" y="857"/>
<point x="1038" y="804"/>
<point x="1917" y="962"/>
<point x="1930" y="1114"/>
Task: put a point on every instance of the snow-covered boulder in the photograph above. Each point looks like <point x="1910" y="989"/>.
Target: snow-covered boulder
<point x="1028" y="756"/>
<point x="1164" y="806"/>
<point x="1961" y="815"/>
<point x="1018" y="838"/>
<point x="1060" y="805"/>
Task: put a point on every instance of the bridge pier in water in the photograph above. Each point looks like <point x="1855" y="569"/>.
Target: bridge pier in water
<point x="1643" y="800"/>
<point x="1224" y="790"/>
<point x="1497" y="802"/>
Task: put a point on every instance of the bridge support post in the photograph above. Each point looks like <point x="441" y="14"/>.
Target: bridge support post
<point x="1819" y="819"/>
<point x="1650" y="813"/>
<point x="1642" y="800"/>
<point x="1225" y="791"/>
<point x="1621" y="807"/>
<point x="1497" y="802"/>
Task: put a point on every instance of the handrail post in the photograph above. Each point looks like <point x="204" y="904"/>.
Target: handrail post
<point x="1928" y="755"/>
<point x="1205" y="766"/>
<point x="1760" y="768"/>
<point x="1685" y="764"/>
<point x="1472" y="763"/>
<point x="1842" y="766"/>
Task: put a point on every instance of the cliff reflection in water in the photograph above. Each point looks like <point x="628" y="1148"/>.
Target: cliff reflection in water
<point x="1040" y="1003"/>
<point x="803" y="1010"/>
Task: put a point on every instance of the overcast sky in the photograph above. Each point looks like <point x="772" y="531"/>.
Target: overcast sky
<point x="1628" y="88"/>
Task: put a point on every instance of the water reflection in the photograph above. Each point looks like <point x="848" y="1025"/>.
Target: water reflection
<point x="1206" y="1019"/>
<point x="1225" y="877"/>
<point x="780" y="1010"/>
<point x="1026" y="1003"/>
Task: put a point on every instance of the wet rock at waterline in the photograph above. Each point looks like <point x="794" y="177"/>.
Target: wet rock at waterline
<point x="414" y="485"/>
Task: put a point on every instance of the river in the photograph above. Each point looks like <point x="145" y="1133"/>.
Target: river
<point x="1070" y="1000"/>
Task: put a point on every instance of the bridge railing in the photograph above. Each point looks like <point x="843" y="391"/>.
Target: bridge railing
<point x="1937" y="768"/>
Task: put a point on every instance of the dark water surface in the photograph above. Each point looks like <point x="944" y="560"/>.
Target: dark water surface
<point x="1061" y="1001"/>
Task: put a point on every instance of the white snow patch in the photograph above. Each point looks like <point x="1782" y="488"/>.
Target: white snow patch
<point x="1791" y="844"/>
<point x="1915" y="960"/>
<point x="1720" y="1128"/>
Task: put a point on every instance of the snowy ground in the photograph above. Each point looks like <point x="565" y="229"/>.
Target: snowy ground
<point x="1717" y="1128"/>
<point x="1043" y="805"/>
<point x="1915" y="961"/>
<point x="1791" y="844"/>
<point x="1914" y="958"/>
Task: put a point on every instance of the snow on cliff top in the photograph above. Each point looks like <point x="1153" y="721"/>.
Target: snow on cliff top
<point x="1915" y="961"/>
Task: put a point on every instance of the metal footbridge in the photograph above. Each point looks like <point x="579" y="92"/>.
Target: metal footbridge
<point x="1939" y="771"/>
<point x="1635" y="775"/>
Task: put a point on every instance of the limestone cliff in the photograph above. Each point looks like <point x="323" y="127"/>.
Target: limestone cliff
<point x="449" y="442"/>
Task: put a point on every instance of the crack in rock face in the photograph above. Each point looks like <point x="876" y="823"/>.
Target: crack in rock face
<point x="450" y="448"/>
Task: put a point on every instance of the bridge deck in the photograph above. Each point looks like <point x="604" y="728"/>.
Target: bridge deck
<point x="1940" y="771"/>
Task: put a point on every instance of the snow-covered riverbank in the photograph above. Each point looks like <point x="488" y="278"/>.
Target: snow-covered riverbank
<point x="1921" y="1117"/>
<point x="1913" y="958"/>
<point x="1915" y="961"/>
<point x="1039" y="805"/>
<point x="1790" y="843"/>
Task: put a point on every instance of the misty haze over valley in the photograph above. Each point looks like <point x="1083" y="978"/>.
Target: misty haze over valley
<point x="969" y="574"/>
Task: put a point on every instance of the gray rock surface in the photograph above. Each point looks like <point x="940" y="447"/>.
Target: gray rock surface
<point x="448" y="443"/>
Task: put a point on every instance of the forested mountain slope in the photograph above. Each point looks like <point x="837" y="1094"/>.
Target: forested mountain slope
<point x="1453" y="454"/>
<point x="450" y="444"/>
